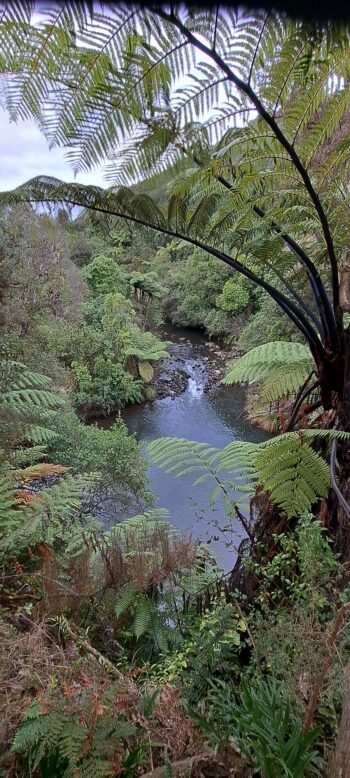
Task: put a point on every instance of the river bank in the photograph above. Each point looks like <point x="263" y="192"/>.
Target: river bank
<point x="198" y="407"/>
<point x="171" y="376"/>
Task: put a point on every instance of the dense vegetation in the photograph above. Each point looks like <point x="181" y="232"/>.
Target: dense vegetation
<point x="125" y="646"/>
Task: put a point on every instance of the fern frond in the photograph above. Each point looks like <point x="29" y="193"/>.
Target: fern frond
<point x="293" y="474"/>
<point x="284" y="380"/>
<point x="256" y="364"/>
<point x="145" y="346"/>
<point x="11" y="511"/>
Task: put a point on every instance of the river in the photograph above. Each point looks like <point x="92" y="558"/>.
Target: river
<point x="214" y="416"/>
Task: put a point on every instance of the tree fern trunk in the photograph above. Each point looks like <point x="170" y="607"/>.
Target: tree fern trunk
<point x="346" y="396"/>
<point x="340" y="767"/>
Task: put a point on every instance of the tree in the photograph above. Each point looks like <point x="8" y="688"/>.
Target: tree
<point x="103" y="275"/>
<point x="258" y="181"/>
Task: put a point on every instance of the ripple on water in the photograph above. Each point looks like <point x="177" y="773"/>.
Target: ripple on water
<point x="215" y="417"/>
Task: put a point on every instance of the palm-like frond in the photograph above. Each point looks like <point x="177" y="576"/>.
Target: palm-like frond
<point x="287" y="467"/>
<point x="95" y="80"/>
<point x="27" y="404"/>
<point x="259" y="105"/>
<point x="145" y="346"/>
<point x="257" y="364"/>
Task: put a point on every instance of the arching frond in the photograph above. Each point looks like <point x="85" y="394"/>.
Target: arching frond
<point x="253" y="102"/>
<point x="286" y="467"/>
<point x="145" y="346"/>
<point x="258" y="363"/>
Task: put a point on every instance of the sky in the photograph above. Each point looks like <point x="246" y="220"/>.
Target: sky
<point x="24" y="153"/>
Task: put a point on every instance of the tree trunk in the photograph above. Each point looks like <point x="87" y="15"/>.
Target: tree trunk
<point x="346" y="393"/>
<point x="340" y="767"/>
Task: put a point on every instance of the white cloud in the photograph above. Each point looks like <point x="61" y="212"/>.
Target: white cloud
<point x="24" y="153"/>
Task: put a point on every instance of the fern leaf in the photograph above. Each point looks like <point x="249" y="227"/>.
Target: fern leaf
<point x="126" y="598"/>
<point x="284" y="380"/>
<point x="142" y="617"/>
<point x="257" y="363"/>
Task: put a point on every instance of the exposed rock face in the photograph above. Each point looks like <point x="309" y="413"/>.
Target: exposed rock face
<point x="171" y="375"/>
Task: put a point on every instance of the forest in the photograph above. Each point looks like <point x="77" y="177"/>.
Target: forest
<point x="211" y="271"/>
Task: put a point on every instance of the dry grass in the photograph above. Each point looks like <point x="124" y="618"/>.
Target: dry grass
<point x="34" y="662"/>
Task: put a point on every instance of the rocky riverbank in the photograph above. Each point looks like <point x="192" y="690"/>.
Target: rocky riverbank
<point x="171" y="376"/>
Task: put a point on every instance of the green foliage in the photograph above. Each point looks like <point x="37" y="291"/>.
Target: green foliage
<point x="160" y="561"/>
<point x="107" y="388"/>
<point x="194" y="289"/>
<point x="210" y="650"/>
<point x="145" y="346"/>
<point x="264" y="728"/>
<point x="256" y="146"/>
<point x="248" y="143"/>
<point x="147" y="284"/>
<point x="258" y="363"/>
<point x="267" y="324"/>
<point x="11" y="512"/>
<point x="28" y="406"/>
<point x="235" y="295"/>
<point x="111" y="453"/>
<point x="293" y="474"/>
<point x="304" y="566"/>
<point x="104" y="276"/>
<point x="58" y="742"/>
<point x="50" y="518"/>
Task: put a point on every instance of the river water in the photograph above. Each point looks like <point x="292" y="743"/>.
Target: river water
<point x="215" y="417"/>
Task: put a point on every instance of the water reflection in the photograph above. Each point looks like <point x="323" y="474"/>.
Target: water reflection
<point x="216" y="418"/>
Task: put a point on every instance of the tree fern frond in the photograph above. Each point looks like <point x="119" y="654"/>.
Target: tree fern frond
<point x="143" y="616"/>
<point x="284" y="380"/>
<point x="145" y="346"/>
<point x="256" y="364"/>
<point x="11" y="512"/>
<point x="295" y="478"/>
<point x="126" y="598"/>
<point x="293" y="474"/>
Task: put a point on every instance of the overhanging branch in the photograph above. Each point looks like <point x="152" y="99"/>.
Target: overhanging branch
<point x="70" y="194"/>
<point x="279" y="135"/>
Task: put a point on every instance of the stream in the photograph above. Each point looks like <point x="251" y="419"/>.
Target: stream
<point x="211" y="415"/>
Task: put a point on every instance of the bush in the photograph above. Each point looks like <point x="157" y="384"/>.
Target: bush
<point x="235" y="295"/>
<point x="105" y="387"/>
<point x="269" y="323"/>
<point x="103" y="275"/>
<point x="112" y="453"/>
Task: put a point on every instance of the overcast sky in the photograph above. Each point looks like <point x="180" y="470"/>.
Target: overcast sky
<point x="24" y="154"/>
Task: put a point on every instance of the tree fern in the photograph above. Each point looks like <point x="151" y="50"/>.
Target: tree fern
<point x="28" y="405"/>
<point x="257" y="134"/>
<point x="11" y="511"/>
<point x="294" y="475"/>
<point x="57" y="741"/>
<point x="142" y="617"/>
<point x="286" y="467"/>
<point x="285" y="380"/>
<point x="145" y="346"/>
<point x="280" y="368"/>
<point x="257" y="364"/>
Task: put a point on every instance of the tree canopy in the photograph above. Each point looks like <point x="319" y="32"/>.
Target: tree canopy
<point x="249" y="113"/>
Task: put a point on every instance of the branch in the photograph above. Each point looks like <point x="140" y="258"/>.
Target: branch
<point x="342" y="500"/>
<point x="329" y="327"/>
<point x="303" y="393"/>
<point x="84" y="645"/>
<point x="279" y="135"/>
<point x="257" y="45"/>
<point x="215" y="26"/>
<point x="70" y="193"/>
<point x="330" y="641"/>
<point x="297" y="297"/>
